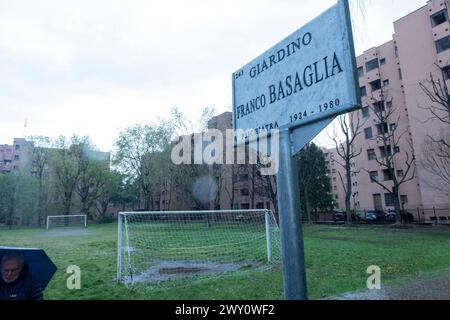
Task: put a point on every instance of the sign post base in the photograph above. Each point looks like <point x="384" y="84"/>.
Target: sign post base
<point x="294" y="273"/>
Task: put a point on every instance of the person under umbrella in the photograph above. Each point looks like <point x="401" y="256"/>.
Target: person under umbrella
<point x="24" y="273"/>
<point x="16" y="282"/>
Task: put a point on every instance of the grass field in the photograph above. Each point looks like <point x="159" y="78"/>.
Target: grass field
<point x="337" y="259"/>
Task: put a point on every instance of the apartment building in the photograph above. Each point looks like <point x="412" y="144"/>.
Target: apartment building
<point x="16" y="156"/>
<point x="336" y="173"/>
<point x="389" y="77"/>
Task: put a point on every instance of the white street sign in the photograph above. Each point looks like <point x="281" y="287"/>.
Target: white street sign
<point x="309" y="76"/>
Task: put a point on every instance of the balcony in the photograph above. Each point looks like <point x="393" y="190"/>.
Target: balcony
<point x="372" y="75"/>
<point x="441" y="31"/>
<point x="376" y="95"/>
<point x="435" y="6"/>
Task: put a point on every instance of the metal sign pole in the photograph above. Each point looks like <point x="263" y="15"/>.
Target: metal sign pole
<point x="294" y="270"/>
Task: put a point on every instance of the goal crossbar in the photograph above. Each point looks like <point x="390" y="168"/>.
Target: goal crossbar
<point x="67" y="217"/>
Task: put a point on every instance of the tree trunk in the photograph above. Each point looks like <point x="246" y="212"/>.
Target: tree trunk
<point x="307" y="207"/>
<point x="398" y="216"/>
<point x="40" y="204"/>
<point x="348" y="193"/>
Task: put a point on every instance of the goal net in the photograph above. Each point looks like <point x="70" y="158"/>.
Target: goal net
<point x="67" y="221"/>
<point x="156" y="247"/>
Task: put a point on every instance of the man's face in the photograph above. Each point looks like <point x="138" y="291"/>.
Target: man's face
<point x="11" y="270"/>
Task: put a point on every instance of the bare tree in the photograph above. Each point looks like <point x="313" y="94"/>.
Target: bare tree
<point x="437" y="147"/>
<point x="390" y="138"/>
<point x="350" y="126"/>
<point x="437" y="91"/>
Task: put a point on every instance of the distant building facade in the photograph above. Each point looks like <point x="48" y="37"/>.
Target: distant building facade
<point x="389" y="78"/>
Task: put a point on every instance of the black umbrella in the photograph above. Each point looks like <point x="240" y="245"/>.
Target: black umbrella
<point x="38" y="263"/>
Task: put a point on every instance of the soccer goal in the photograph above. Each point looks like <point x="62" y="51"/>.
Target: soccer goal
<point x="67" y="221"/>
<point x="155" y="247"/>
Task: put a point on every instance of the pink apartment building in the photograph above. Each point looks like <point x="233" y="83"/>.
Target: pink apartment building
<point x="389" y="78"/>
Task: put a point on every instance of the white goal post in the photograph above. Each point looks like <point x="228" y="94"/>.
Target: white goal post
<point x="155" y="247"/>
<point x="75" y="220"/>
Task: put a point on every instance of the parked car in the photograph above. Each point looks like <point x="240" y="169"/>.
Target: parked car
<point x="371" y="216"/>
<point x="405" y="216"/>
<point x="339" y="216"/>
<point x="390" y="216"/>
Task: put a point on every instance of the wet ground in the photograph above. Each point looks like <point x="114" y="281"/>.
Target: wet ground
<point x="437" y="288"/>
<point x="170" y="270"/>
<point x="64" y="232"/>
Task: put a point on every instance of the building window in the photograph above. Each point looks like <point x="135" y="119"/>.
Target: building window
<point x="374" y="176"/>
<point x="382" y="128"/>
<point x="16" y="157"/>
<point x="443" y="44"/>
<point x="386" y="152"/>
<point x="244" y="192"/>
<point x="365" y="112"/>
<point x="371" y="154"/>
<point x="439" y="18"/>
<point x="260" y="205"/>
<point x="336" y="197"/>
<point x="388" y="175"/>
<point x="400" y="173"/>
<point x="235" y="206"/>
<point x="16" y="168"/>
<point x="375" y="85"/>
<point x="386" y="83"/>
<point x="404" y="199"/>
<point x="446" y="72"/>
<point x="397" y="149"/>
<point x="17" y="146"/>
<point x="378" y="107"/>
<point x="363" y="91"/>
<point x="382" y="61"/>
<point x="243" y="177"/>
<point x="372" y="64"/>
<point x="392" y="127"/>
<point x="245" y="206"/>
<point x="368" y="133"/>
<point x="360" y="72"/>
<point x="396" y="51"/>
<point x="389" y="199"/>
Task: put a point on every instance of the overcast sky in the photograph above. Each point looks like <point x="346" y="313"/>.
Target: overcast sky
<point x="95" y="67"/>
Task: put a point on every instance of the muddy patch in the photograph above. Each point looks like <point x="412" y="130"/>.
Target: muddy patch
<point x="160" y="270"/>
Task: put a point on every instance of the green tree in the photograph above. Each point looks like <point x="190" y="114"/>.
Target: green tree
<point x="40" y="159"/>
<point x="66" y="169"/>
<point x="18" y="198"/>
<point x="109" y="190"/>
<point x="138" y="155"/>
<point x="314" y="183"/>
